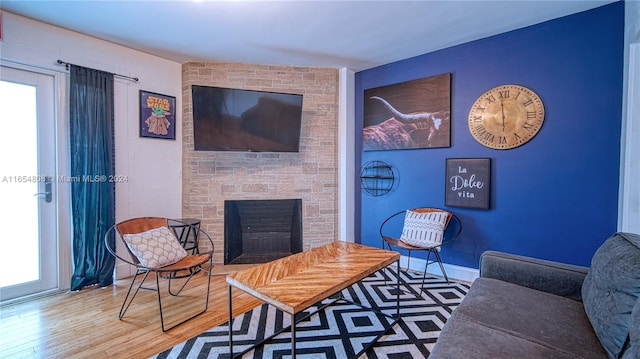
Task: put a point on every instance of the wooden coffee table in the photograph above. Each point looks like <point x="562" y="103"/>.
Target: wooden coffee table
<point x="294" y="283"/>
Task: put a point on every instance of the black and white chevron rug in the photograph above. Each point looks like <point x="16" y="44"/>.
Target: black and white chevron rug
<point x="342" y="329"/>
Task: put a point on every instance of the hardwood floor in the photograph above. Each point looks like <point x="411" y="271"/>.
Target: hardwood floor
<point x="85" y="324"/>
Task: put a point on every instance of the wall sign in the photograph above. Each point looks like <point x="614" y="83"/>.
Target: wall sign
<point x="157" y="115"/>
<point x="467" y="182"/>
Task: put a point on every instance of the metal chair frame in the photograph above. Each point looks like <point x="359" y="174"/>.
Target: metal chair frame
<point x="450" y="234"/>
<point x="192" y="263"/>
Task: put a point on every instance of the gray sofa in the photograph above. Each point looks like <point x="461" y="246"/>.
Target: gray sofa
<point x="522" y="307"/>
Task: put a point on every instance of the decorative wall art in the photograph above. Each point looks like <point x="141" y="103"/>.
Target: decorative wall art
<point x="376" y="178"/>
<point x="408" y="115"/>
<point x="468" y="182"/>
<point x="157" y="115"/>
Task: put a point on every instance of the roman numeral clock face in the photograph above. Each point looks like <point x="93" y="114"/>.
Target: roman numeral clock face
<point x="506" y="117"/>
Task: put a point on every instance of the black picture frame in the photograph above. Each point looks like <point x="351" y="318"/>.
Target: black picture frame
<point x="157" y="115"/>
<point x="468" y="182"/>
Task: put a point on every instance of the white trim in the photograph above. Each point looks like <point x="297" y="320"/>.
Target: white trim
<point x="63" y="156"/>
<point x="630" y="162"/>
<point x="19" y="64"/>
<point x="346" y="155"/>
<point x="454" y="272"/>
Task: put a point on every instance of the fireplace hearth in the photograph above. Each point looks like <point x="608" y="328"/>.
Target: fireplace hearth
<point x="259" y="231"/>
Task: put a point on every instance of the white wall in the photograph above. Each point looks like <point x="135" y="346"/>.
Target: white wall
<point x="152" y="166"/>
<point x="346" y="155"/>
<point x="630" y="153"/>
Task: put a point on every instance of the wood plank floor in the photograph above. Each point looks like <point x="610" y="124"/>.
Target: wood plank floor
<point x="85" y="324"/>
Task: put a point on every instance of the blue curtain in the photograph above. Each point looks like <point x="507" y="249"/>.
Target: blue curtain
<point x="92" y="163"/>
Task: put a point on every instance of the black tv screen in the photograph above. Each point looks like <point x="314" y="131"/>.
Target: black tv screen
<point x="226" y="119"/>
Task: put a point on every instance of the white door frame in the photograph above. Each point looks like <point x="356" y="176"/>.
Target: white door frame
<point x="61" y="189"/>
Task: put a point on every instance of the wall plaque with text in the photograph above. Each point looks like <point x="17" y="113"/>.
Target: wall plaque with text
<point x="468" y="182"/>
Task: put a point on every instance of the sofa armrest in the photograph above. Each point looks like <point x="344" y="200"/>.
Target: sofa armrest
<point x="547" y="276"/>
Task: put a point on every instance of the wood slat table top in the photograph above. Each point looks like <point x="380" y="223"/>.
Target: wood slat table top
<point x="296" y="282"/>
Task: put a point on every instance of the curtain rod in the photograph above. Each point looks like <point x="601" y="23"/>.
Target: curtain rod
<point x="67" y="64"/>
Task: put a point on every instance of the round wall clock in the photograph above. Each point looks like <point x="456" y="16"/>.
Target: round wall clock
<point x="506" y="116"/>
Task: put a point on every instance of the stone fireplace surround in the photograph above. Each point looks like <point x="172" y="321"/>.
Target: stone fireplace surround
<point x="210" y="178"/>
<point x="260" y="231"/>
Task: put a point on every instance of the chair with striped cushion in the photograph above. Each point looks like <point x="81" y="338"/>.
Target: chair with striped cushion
<point x="421" y="229"/>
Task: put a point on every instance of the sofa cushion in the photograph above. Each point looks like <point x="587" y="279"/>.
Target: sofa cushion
<point x="548" y="320"/>
<point x="464" y="338"/>
<point x="632" y="349"/>
<point x="611" y="289"/>
<point x="544" y="275"/>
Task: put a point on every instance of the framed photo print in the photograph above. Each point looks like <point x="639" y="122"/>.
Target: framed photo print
<point x="408" y="115"/>
<point x="157" y="115"/>
<point x="468" y="182"/>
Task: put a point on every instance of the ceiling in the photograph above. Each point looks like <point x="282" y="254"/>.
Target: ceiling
<point x="353" y="34"/>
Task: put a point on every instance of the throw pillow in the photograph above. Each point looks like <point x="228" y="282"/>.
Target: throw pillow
<point x="424" y="229"/>
<point x="155" y="248"/>
<point x="611" y="289"/>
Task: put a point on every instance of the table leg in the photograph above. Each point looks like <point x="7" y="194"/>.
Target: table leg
<point x="230" y="328"/>
<point x="398" y="289"/>
<point x="293" y="336"/>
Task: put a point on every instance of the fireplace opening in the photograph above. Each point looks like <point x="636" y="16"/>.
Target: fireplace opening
<point x="259" y="231"/>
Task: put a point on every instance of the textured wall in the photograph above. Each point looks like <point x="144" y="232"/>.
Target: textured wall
<point x="210" y="178"/>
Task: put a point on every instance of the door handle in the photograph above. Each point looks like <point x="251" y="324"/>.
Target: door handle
<point x="47" y="190"/>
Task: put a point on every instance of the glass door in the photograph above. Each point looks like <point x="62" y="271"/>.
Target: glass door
<point x="28" y="183"/>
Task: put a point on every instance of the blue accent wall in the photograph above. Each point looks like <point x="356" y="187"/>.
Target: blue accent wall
<point x="555" y="197"/>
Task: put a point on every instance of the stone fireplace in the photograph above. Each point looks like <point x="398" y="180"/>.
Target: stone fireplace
<point x="209" y="178"/>
<point x="259" y="231"/>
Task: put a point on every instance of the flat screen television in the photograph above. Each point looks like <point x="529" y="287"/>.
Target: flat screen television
<point x="226" y="119"/>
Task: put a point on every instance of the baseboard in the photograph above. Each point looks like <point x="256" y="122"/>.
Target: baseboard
<point x="456" y="272"/>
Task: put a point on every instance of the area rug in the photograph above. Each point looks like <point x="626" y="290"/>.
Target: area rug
<point x="343" y="329"/>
